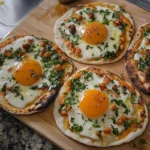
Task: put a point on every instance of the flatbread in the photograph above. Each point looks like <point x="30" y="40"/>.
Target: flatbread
<point x="108" y="51"/>
<point x="47" y="92"/>
<point x="125" y="119"/>
<point x="137" y="59"/>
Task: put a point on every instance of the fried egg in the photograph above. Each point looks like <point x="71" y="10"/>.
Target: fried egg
<point x="20" y="78"/>
<point x="94" y="33"/>
<point x="95" y="107"/>
<point x="28" y="67"/>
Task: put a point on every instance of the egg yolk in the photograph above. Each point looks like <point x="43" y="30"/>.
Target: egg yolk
<point x="94" y="33"/>
<point x="28" y="72"/>
<point x="94" y="103"/>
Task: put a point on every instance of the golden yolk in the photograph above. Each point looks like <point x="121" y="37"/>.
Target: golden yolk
<point x="28" y="72"/>
<point x="94" y="103"/>
<point x="94" y="33"/>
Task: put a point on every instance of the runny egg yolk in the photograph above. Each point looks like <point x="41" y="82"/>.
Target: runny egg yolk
<point x="94" y="33"/>
<point x="94" y="103"/>
<point x="28" y="72"/>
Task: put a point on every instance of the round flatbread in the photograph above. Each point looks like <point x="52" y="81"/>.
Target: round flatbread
<point x="98" y="108"/>
<point x="32" y="70"/>
<point x="137" y="59"/>
<point x="97" y="33"/>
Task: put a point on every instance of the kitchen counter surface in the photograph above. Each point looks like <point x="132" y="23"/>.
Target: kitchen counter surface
<point x="14" y="135"/>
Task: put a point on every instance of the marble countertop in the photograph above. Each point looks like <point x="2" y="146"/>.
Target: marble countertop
<point x="14" y="135"/>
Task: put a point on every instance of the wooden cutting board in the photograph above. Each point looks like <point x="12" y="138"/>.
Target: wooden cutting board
<point x="41" y="23"/>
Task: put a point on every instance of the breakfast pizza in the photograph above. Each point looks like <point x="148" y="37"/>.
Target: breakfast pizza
<point x="96" y="33"/>
<point x="138" y="59"/>
<point x="31" y="72"/>
<point x="98" y="108"/>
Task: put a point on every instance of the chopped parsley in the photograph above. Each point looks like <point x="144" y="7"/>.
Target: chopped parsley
<point x="106" y="46"/>
<point x="22" y="98"/>
<point x="76" y="128"/>
<point x="70" y="100"/>
<point x="54" y="78"/>
<point x="113" y="119"/>
<point x="4" y="88"/>
<point x="117" y="91"/>
<point x="76" y="39"/>
<point x="103" y="119"/>
<point x="134" y="98"/>
<point x="106" y="13"/>
<point x="87" y="10"/>
<point x="72" y="119"/>
<point x="146" y="32"/>
<point x="115" y="46"/>
<point x="118" y="102"/>
<point x="61" y="107"/>
<point x="109" y="55"/>
<point x="73" y="20"/>
<point x="96" y="124"/>
<point x="148" y="104"/>
<point x="77" y="85"/>
<point x="128" y="123"/>
<point x="122" y="9"/>
<point x="87" y="75"/>
<point x="50" y="63"/>
<point x="99" y="47"/>
<point x="115" y="130"/>
<point x="126" y="110"/>
<point x="142" y="141"/>
<point x="88" y="47"/>
<point x="116" y="14"/>
<point x="62" y="24"/>
<point x="96" y="85"/>
<point x="116" y="113"/>
<point x="144" y="63"/>
<point x="124" y="90"/>
<point x="123" y="27"/>
<point x="106" y="21"/>
<point x="2" y="58"/>
<point x="112" y="38"/>
<point x="81" y="12"/>
<point x="100" y="133"/>
<point x="16" y="89"/>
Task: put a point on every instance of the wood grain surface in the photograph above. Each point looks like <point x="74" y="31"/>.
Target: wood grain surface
<point x="41" y="23"/>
